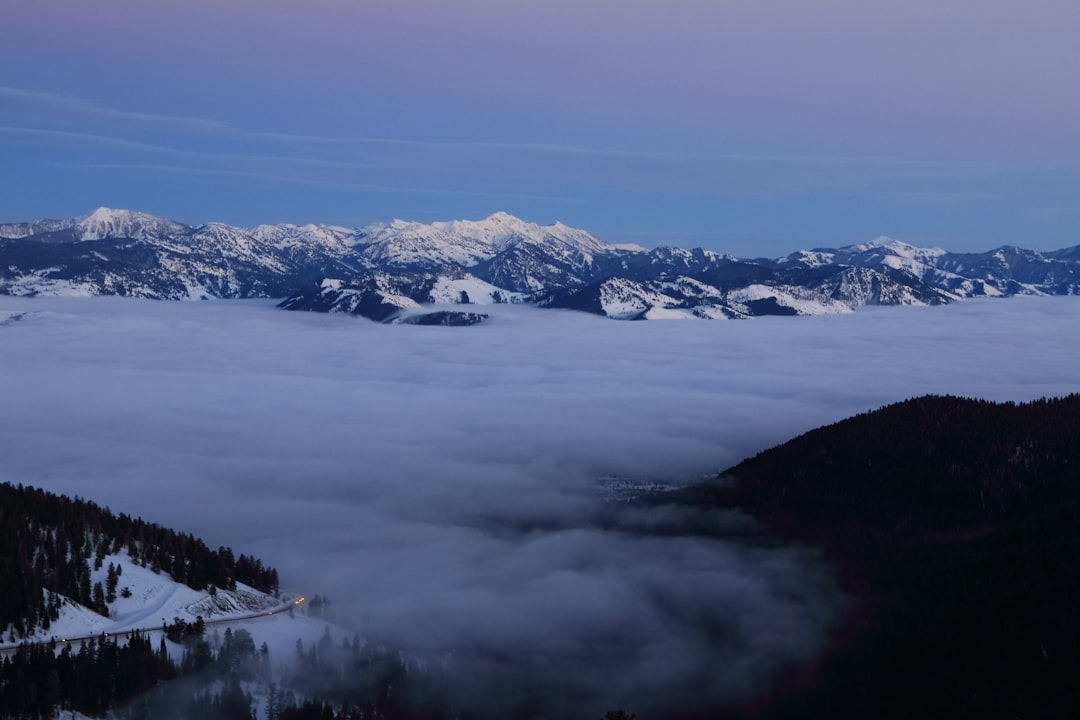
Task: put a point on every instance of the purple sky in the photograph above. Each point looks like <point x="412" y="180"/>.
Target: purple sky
<point x="751" y="127"/>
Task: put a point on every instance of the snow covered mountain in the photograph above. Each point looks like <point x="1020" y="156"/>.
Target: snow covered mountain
<point x="121" y="252"/>
<point x="383" y="271"/>
<point x="501" y="249"/>
<point x="108" y="223"/>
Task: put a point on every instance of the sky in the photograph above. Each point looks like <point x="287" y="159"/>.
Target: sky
<point x="749" y="127"/>
<point x="443" y="486"/>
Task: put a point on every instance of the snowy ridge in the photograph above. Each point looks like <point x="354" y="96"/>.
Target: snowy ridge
<point x="330" y="237"/>
<point x="685" y="297"/>
<point x="467" y="243"/>
<point x="628" y="300"/>
<point x="810" y="258"/>
<point x="37" y="227"/>
<point x="470" y="290"/>
<point x="376" y="295"/>
<point x="802" y="301"/>
<point x="404" y="244"/>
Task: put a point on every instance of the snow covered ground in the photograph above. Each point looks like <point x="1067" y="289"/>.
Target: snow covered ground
<point x="154" y="599"/>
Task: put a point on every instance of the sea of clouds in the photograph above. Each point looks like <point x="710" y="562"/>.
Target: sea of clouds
<point x="441" y="485"/>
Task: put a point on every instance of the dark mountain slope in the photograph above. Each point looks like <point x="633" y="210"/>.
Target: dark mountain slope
<point x="927" y="465"/>
<point x="956" y="525"/>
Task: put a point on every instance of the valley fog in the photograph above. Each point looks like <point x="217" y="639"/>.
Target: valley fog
<point x="441" y="485"/>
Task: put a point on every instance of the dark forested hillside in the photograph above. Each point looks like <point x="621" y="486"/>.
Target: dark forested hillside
<point x="955" y="524"/>
<point x="48" y="543"/>
<point x="930" y="465"/>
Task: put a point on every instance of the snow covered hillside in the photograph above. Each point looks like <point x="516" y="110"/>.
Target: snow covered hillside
<point x="146" y="599"/>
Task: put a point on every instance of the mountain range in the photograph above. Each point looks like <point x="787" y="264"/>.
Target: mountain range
<point x="391" y="271"/>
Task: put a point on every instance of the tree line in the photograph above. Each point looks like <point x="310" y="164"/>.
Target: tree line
<point x="132" y="679"/>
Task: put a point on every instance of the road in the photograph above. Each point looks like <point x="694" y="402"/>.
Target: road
<point x="284" y="607"/>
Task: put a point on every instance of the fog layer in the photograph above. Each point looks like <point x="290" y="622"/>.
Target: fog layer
<point x="441" y="484"/>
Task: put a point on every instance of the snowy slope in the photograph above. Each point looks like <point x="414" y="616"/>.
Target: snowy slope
<point x="471" y="290"/>
<point x="154" y="598"/>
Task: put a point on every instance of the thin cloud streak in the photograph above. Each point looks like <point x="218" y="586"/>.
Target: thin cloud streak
<point x="293" y="179"/>
<point x="82" y="107"/>
<point x="90" y="139"/>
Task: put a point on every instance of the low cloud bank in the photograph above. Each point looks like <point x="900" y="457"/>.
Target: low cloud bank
<point x="441" y="484"/>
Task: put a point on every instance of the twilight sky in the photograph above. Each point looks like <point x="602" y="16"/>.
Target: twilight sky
<point x="745" y="126"/>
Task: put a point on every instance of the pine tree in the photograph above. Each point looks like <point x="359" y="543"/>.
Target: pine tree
<point x="110" y="584"/>
<point x="99" y="600"/>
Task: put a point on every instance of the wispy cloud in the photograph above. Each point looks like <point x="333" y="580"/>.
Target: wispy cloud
<point x="80" y="106"/>
<point x="293" y="179"/>
<point x="507" y="170"/>
<point x="654" y="156"/>
<point x="82" y="138"/>
<point x="941" y="199"/>
<point x="66" y="104"/>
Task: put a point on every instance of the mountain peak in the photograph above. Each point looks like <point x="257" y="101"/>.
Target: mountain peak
<point x="103" y="214"/>
<point x="496" y="225"/>
<point x="899" y="248"/>
<point x="112" y="223"/>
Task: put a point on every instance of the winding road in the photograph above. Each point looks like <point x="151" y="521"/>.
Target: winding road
<point x="285" y="606"/>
